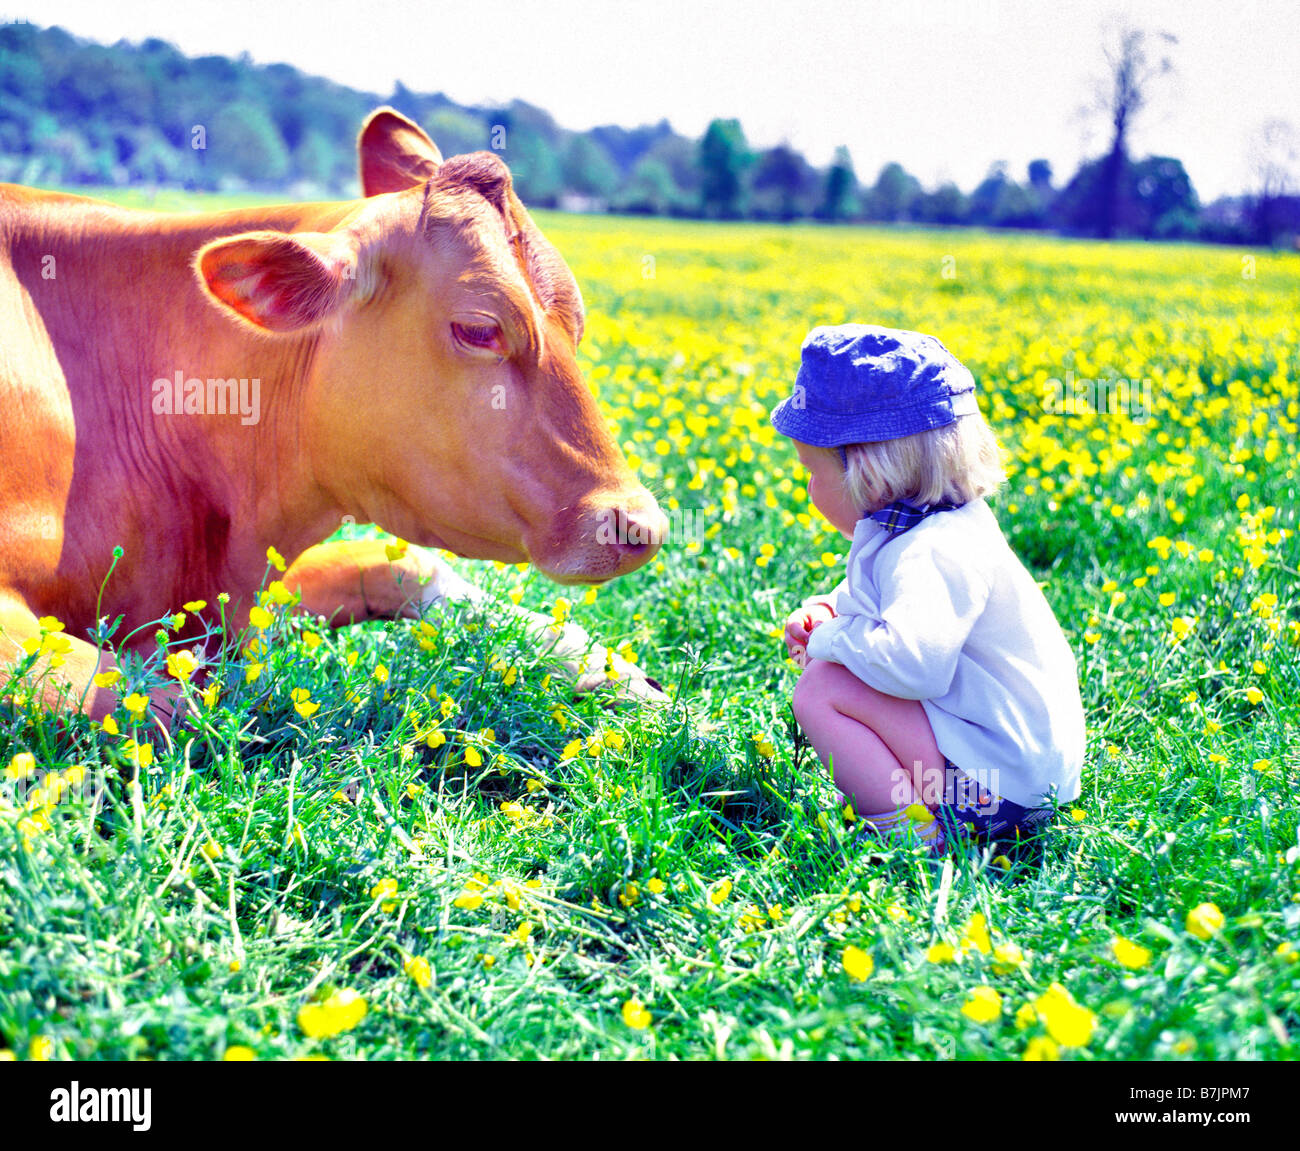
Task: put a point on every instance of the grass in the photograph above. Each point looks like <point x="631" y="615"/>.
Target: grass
<point x="497" y="869"/>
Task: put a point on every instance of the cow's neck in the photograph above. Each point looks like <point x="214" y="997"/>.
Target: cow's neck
<point x="124" y="311"/>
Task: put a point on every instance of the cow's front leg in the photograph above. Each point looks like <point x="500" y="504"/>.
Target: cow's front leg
<point x="65" y="668"/>
<point x="352" y="580"/>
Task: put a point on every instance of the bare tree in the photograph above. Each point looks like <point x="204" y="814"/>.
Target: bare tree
<point x="1274" y="161"/>
<point x="1135" y="59"/>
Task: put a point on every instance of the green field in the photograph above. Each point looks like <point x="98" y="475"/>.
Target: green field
<point x="493" y="868"/>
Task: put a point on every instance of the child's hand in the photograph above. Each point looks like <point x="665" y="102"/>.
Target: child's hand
<point x="799" y="625"/>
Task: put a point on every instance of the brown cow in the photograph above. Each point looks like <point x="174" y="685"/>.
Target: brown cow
<point x="197" y="388"/>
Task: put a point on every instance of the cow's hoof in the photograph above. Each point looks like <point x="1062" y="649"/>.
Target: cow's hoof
<point x="630" y="682"/>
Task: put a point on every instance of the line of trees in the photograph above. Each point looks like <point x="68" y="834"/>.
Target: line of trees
<point x="74" y="112"/>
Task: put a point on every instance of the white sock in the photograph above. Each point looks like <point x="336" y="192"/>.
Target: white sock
<point x="901" y="822"/>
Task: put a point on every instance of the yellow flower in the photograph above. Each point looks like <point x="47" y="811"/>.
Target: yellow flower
<point x="21" y="766"/>
<point x="380" y="673"/>
<point x="275" y="558"/>
<point x="1007" y="957"/>
<point x="107" y="678"/>
<point x="40" y="1049"/>
<point x="983" y="1004"/>
<point x="181" y="665"/>
<point x="260" y="618"/>
<point x="656" y="886"/>
<point x="472" y="895"/>
<point x="341" y="1012"/>
<point x="252" y="671"/>
<point x="720" y="892"/>
<point x="417" y="967"/>
<point x="236" y="1053"/>
<point x="1041" y="1049"/>
<point x="211" y="849"/>
<point x="857" y="963"/>
<point x="209" y="695"/>
<point x="473" y="757"/>
<point x="1129" y="954"/>
<point x="136" y="704"/>
<point x="941" y="953"/>
<point x="976" y="934"/>
<point x="1204" y="920"/>
<point x="1070" y="1024"/>
<point x="396" y="550"/>
<point x="109" y="724"/>
<point x="141" y="754"/>
<point x="635" y="1015"/>
<point x="1254" y="695"/>
<point x="195" y="605"/>
<point x="302" y="702"/>
<point x="276" y="592"/>
<point x="382" y="890"/>
<point x="311" y="640"/>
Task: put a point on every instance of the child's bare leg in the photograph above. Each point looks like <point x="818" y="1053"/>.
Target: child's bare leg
<point x="880" y="749"/>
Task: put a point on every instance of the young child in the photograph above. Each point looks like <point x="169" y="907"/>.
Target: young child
<point x="937" y="685"/>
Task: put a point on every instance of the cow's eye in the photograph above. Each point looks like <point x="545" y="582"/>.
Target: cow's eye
<point x="484" y="336"/>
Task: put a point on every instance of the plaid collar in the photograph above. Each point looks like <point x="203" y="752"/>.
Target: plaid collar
<point x="899" y="516"/>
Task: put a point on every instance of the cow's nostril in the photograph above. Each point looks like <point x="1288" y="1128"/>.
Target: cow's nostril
<point x="641" y="532"/>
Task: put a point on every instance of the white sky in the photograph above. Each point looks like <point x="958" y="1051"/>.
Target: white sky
<point x="946" y="87"/>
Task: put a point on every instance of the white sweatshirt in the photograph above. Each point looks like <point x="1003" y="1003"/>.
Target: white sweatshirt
<point x="946" y="614"/>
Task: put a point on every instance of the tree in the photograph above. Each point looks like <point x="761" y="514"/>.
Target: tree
<point x="681" y="157"/>
<point x="1133" y="64"/>
<point x="1166" y="200"/>
<point x="840" y="192"/>
<point x="247" y="143"/>
<point x="782" y="180"/>
<point x="650" y="190"/>
<point x="457" y="132"/>
<point x="1275" y="161"/>
<point x="587" y="168"/>
<point x="534" y="166"/>
<point x="894" y="193"/>
<point x="724" y="157"/>
<point x="947" y="204"/>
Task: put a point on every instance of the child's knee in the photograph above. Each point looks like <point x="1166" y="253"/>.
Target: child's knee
<point x="813" y="691"/>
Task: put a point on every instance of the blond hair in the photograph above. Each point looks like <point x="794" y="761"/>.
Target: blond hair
<point x="954" y="464"/>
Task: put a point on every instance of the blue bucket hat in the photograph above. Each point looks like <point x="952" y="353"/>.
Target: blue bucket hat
<point x="859" y="383"/>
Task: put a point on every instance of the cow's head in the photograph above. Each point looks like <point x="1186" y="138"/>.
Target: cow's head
<point x="444" y="399"/>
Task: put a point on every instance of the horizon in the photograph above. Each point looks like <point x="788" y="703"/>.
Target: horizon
<point x="801" y="85"/>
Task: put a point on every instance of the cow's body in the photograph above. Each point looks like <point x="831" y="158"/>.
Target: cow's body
<point x="410" y="361"/>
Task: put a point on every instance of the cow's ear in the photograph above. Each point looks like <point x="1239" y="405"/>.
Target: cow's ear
<point x="277" y="281"/>
<point x="395" y="153"/>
